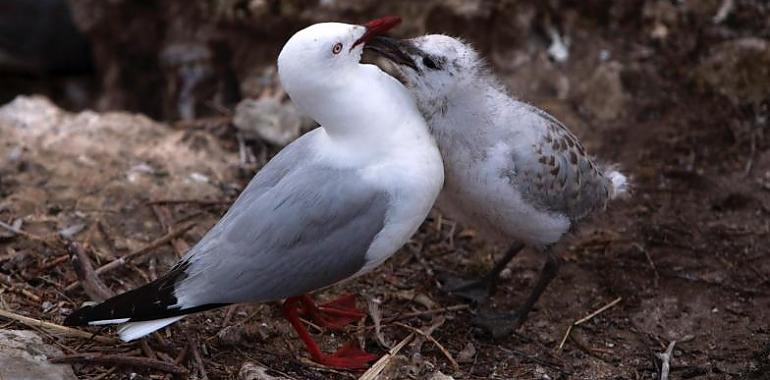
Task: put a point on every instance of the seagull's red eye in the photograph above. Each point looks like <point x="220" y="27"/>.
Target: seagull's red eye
<point x="337" y="48"/>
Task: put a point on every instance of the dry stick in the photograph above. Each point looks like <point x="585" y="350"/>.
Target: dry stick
<point x="4" y="280"/>
<point x="20" y="232"/>
<point x="586" y="319"/>
<point x="649" y="261"/>
<point x="105" y="374"/>
<point x="164" y="217"/>
<point x="146" y="349"/>
<point x="375" y="313"/>
<point x="121" y="360"/>
<point x="92" y="284"/>
<point x="197" y="356"/>
<point x="435" y="342"/>
<point x="135" y="254"/>
<point x="55" y="262"/>
<point x="665" y="358"/>
<point x="375" y="370"/>
<point x="63" y="330"/>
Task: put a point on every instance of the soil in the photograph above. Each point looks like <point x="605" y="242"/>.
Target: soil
<point x="679" y="101"/>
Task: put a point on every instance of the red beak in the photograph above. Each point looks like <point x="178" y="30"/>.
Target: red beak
<point x="377" y="27"/>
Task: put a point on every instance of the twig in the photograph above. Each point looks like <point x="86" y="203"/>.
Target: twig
<point x="564" y="338"/>
<point x="164" y="217"/>
<point x="121" y="360"/>
<point x="147" y="350"/>
<point x="54" y="263"/>
<point x="598" y="311"/>
<point x="589" y="350"/>
<point x="23" y="233"/>
<point x="375" y="370"/>
<point x="435" y="342"/>
<point x="105" y="374"/>
<point x="198" y="360"/>
<point x="649" y="261"/>
<point x="229" y="312"/>
<point x="665" y="359"/>
<point x="4" y="280"/>
<point x="401" y="317"/>
<point x="724" y="10"/>
<point x="376" y="315"/>
<point x="63" y="330"/>
<point x="92" y="284"/>
<point x="586" y="319"/>
<point x="753" y="143"/>
<point x="135" y="254"/>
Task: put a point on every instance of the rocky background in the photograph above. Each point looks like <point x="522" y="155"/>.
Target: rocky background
<point x="130" y="124"/>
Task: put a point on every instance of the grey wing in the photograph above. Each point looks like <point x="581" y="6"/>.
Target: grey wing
<point x="309" y="230"/>
<point x="560" y="177"/>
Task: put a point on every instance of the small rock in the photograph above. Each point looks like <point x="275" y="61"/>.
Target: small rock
<point x="440" y="376"/>
<point x="69" y="232"/>
<point x="603" y="94"/>
<point x="467" y="354"/>
<point x="251" y="371"/>
<point x="242" y="334"/>
<point x="738" y="69"/>
<point x="23" y="355"/>
<point x="268" y="119"/>
<point x="399" y="367"/>
<point x="559" y="48"/>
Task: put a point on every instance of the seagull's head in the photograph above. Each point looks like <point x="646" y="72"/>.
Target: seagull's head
<point x="320" y="57"/>
<point x="434" y="67"/>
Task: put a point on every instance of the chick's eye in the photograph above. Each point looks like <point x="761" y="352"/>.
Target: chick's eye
<point x="429" y="63"/>
<point x="337" y="48"/>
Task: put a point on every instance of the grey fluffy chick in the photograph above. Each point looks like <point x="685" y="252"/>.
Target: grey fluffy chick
<point x="512" y="171"/>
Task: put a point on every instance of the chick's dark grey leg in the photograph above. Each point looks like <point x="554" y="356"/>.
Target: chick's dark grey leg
<point x="480" y="289"/>
<point x="503" y="324"/>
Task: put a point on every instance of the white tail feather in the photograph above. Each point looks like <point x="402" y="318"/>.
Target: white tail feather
<point x="108" y="322"/>
<point x="619" y="184"/>
<point x="135" y="330"/>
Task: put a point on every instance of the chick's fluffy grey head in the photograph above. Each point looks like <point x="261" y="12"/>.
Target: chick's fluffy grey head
<point x="443" y="66"/>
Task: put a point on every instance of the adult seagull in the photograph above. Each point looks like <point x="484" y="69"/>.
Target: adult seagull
<point x="512" y="170"/>
<point x="332" y="205"/>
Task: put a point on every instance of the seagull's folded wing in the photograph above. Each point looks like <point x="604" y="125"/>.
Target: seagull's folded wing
<point x="560" y="177"/>
<point x="308" y="229"/>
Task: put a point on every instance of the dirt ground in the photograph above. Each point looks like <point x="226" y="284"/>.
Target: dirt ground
<point x="678" y="99"/>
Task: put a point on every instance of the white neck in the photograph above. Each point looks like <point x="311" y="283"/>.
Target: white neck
<point x="364" y="107"/>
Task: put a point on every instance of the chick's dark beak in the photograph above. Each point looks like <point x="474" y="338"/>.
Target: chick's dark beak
<point x="392" y="49"/>
<point x="377" y="27"/>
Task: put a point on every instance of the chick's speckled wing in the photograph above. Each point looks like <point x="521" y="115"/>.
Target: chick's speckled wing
<point x="559" y="177"/>
<point x="308" y="229"/>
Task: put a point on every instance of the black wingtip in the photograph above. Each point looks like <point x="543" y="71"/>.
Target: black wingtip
<point x="152" y="301"/>
<point x="78" y="317"/>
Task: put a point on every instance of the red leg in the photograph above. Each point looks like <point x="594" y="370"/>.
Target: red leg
<point x="347" y="357"/>
<point x="334" y="314"/>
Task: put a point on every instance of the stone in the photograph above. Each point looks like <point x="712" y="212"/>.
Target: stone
<point x="268" y="119"/>
<point x="24" y="356"/>
<point x="739" y="69"/>
<point x="440" y="376"/>
<point x="252" y="371"/>
<point x="92" y="162"/>
<point x="603" y="95"/>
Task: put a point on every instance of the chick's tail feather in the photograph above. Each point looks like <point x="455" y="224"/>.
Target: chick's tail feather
<point x="620" y="184"/>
